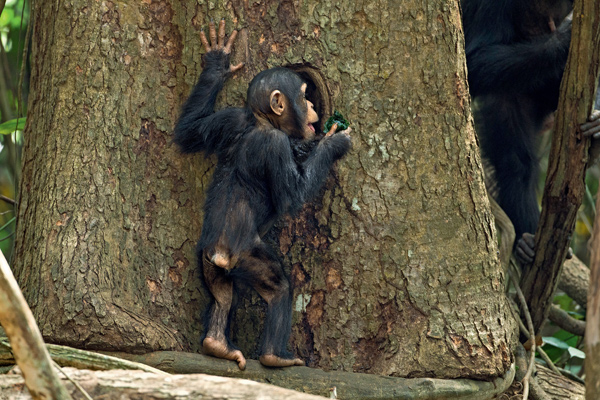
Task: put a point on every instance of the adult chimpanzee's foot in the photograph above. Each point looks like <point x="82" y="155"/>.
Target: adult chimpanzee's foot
<point x="271" y="360"/>
<point x="220" y="349"/>
<point x="524" y="250"/>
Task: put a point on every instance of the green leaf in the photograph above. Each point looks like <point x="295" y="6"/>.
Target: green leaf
<point x="563" y="301"/>
<point x="8" y="127"/>
<point x="555" y="342"/>
<point x="337" y="118"/>
<point x="573" y="352"/>
<point x="6" y="17"/>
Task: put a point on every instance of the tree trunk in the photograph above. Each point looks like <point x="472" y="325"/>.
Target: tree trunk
<point x="108" y="209"/>
<point x="394" y="267"/>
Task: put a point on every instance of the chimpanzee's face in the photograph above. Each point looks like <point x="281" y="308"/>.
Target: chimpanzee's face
<point x="311" y="115"/>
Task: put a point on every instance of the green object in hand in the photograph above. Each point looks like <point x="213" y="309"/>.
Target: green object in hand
<point x="337" y="118"/>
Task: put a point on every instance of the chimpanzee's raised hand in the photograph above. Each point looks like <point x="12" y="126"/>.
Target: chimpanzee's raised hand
<point x="217" y="45"/>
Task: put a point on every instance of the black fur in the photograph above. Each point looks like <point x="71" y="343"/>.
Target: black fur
<point x="262" y="173"/>
<point x="515" y="66"/>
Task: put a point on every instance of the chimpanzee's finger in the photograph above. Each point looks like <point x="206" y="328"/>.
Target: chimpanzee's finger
<point x="332" y="130"/>
<point x="213" y="34"/>
<point x="204" y="41"/>
<point x="221" y="34"/>
<point x="229" y="44"/>
<point x="234" y="68"/>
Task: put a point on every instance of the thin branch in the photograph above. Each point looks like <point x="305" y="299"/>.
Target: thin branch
<point x="537" y="392"/>
<point x="8" y="200"/>
<point x="26" y="340"/>
<point x="525" y="311"/>
<point x="75" y="383"/>
<point x="7" y="237"/>
<point x="24" y="60"/>
<point x="540" y="351"/>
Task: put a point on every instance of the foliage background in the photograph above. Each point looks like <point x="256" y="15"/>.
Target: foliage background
<point x="13" y="28"/>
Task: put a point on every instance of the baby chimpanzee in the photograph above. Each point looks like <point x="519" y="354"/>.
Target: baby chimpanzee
<point x="256" y="181"/>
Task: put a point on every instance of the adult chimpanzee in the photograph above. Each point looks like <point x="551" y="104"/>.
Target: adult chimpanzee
<point x="516" y="56"/>
<point x="258" y="178"/>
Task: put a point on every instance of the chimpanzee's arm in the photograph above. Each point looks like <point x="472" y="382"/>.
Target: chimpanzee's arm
<point x="319" y="163"/>
<point x="198" y="127"/>
<point x="292" y="184"/>
<point x="527" y="66"/>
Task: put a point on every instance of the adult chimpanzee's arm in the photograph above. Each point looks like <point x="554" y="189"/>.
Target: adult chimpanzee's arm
<point x="529" y="66"/>
<point x="291" y="185"/>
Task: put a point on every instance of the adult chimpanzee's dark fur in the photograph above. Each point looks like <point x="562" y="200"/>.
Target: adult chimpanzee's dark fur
<point x="258" y="178"/>
<point x="515" y="57"/>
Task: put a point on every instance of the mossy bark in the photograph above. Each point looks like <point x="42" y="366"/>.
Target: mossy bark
<point x="394" y="266"/>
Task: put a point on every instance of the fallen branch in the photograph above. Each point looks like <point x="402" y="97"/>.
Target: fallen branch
<point x="82" y="359"/>
<point x="348" y="385"/>
<point x="559" y="387"/>
<point x="119" y="384"/>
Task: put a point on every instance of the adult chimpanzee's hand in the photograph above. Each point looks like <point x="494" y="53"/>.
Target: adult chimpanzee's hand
<point x="217" y="44"/>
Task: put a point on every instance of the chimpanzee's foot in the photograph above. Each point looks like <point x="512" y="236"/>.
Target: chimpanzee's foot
<point x="271" y="360"/>
<point x="592" y="126"/>
<point x="220" y="349"/>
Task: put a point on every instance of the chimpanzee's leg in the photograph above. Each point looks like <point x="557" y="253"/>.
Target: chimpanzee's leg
<point x="263" y="271"/>
<point x="216" y="342"/>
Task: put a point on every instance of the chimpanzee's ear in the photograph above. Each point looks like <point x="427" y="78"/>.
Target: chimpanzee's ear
<point x="277" y="102"/>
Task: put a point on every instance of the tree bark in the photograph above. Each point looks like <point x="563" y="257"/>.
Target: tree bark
<point x="559" y="387"/>
<point x="107" y="208"/>
<point x="394" y="267"/>
<point x="575" y="280"/>
<point x="118" y="384"/>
